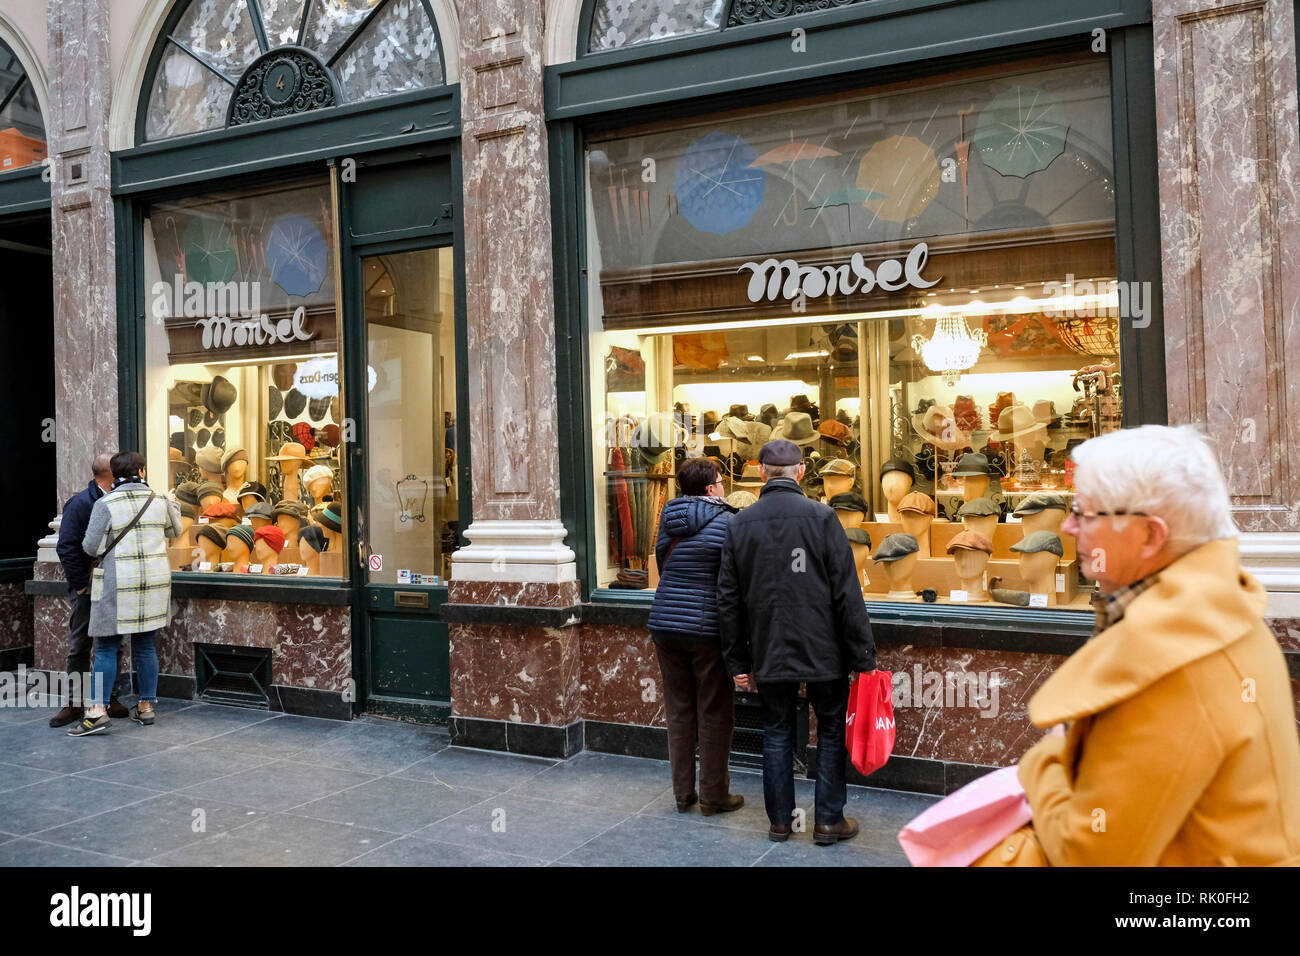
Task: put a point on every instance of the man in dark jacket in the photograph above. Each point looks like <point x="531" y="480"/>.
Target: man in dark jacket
<point x="790" y="611"/>
<point x="76" y="568"/>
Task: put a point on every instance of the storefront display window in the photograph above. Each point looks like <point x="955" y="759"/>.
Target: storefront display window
<point x="22" y="131"/>
<point x="371" y="48"/>
<point x="917" y="284"/>
<point x="243" y="407"/>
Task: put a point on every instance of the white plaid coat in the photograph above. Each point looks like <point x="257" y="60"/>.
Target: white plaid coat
<point x="130" y="593"/>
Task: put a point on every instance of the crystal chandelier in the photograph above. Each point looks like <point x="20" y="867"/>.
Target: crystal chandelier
<point x="952" y="349"/>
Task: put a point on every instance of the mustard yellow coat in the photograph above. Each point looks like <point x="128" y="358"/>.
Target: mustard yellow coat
<point x="1182" y="747"/>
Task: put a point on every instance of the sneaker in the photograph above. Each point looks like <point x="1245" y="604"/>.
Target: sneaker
<point x="67" y="715"/>
<point x="117" y="710"/>
<point x="89" y="725"/>
<point x="144" y="717"/>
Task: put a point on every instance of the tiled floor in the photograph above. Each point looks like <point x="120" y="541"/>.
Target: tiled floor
<point x="219" y="786"/>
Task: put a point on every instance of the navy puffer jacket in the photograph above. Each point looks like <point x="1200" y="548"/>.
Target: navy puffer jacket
<point x="686" y="600"/>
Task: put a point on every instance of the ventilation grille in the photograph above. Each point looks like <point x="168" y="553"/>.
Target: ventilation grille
<point x="747" y="739"/>
<point x="239" y="676"/>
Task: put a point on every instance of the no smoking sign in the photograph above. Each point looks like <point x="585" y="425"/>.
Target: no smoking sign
<point x="376" y="562"/>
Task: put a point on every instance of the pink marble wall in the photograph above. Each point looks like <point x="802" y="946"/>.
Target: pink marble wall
<point x="523" y="674"/>
<point x="1229" y="146"/>
<point x="621" y="682"/>
<point x="50" y="632"/>
<point x="15" y="616"/>
<point x="515" y="593"/>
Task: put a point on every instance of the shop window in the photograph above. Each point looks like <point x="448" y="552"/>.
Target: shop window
<point x="917" y="284"/>
<point x="356" y="50"/>
<point x="618" y="24"/>
<point x="22" y="131"/>
<point x="243" y="410"/>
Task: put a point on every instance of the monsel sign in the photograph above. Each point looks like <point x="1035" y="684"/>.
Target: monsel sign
<point x="789" y="280"/>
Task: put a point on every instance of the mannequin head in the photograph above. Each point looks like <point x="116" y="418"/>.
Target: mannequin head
<point x="318" y="479"/>
<point x="973" y="470"/>
<point x="895" y="485"/>
<point x="291" y="458"/>
<point x="235" y="467"/>
<point x="209" y="493"/>
<point x="851" y="509"/>
<point x="1039" y="554"/>
<point x="836" y="485"/>
<point x="330" y="518"/>
<point x="249" y="494"/>
<point x="258" y="514"/>
<point x="1042" y="512"/>
<point x="917" y="512"/>
<point x="208" y="460"/>
<point x="239" y="544"/>
<point x="222" y="514"/>
<point x="290" y="517"/>
<point x="210" y="540"/>
<point x="860" y="543"/>
<point x="970" y="556"/>
<point x="311" y="542"/>
<point x="980" y="515"/>
<point x="268" y="542"/>
<point x="974" y="486"/>
<point x="899" y="554"/>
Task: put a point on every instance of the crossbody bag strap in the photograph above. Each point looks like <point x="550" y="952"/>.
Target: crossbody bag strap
<point x="134" y="521"/>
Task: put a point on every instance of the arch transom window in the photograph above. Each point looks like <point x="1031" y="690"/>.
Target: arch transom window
<point x="619" y="24"/>
<point x="229" y="62"/>
<point x="22" y="131"/>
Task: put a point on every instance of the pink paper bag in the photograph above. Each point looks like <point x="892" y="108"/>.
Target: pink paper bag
<point x="965" y="825"/>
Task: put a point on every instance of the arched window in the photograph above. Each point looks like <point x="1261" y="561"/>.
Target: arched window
<point x="229" y="62"/>
<point x="22" y="131"/>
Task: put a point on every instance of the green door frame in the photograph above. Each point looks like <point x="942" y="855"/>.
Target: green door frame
<point x="753" y="66"/>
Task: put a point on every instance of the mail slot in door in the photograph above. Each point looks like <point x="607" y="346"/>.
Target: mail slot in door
<point x="411" y="599"/>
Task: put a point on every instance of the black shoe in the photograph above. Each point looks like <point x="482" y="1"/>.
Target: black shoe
<point x="89" y="725"/>
<point x="779" y="832"/>
<point x="684" y="805"/>
<point x="825" y="834"/>
<point x="117" y="710"/>
<point x="67" y="715"/>
<point x="734" y="801"/>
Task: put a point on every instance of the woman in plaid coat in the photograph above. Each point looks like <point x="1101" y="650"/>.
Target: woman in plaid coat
<point x="130" y="592"/>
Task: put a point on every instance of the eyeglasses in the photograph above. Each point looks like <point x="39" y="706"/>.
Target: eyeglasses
<point x="1076" y="513"/>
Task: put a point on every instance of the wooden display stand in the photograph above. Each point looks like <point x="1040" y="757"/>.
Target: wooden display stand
<point x="331" y="564"/>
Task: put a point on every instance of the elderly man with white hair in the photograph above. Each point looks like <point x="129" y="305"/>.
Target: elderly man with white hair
<point x="1181" y="747"/>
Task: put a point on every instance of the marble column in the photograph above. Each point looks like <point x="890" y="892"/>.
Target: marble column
<point x="516" y="553"/>
<point x="1230" y="226"/>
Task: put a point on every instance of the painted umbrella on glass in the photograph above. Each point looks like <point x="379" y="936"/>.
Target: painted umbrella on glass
<point x="1021" y="131"/>
<point x="209" y="251"/>
<point x="296" y="254"/>
<point x="715" y="188"/>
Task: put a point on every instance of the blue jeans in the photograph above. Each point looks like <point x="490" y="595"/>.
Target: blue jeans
<point x="143" y="654"/>
<point x="830" y="702"/>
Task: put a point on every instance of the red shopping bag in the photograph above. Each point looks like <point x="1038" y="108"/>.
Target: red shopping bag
<point x="869" y="725"/>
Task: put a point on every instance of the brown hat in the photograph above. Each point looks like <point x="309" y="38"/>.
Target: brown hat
<point x="290" y="451"/>
<point x="233" y="456"/>
<point x="917" y="501"/>
<point x="969" y="541"/>
<point x="835" y="431"/>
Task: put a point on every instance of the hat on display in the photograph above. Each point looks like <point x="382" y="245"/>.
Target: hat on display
<point x="1003" y="400"/>
<point x="858" y="536"/>
<point x="203" y="437"/>
<point x="219" y="438"/>
<point x="220" y="395"/>
<point x="1040" y="501"/>
<point x="187" y="491"/>
<point x="796" y="427"/>
<point x="329" y="436"/>
<point x="749" y="477"/>
<point x="283" y="374"/>
<point x="849" y="501"/>
<point x="209" y="418"/>
<point x="768" y="415"/>
<point x="898" y="464"/>
<point x="1014" y="421"/>
<point x="244" y="533"/>
<point x="966" y="413"/>
<point x="1039" y="541"/>
<point x="213" y="532"/>
<point x="290" y="451"/>
<point x="306" y="437"/>
<point x="314" y="538"/>
<point x="971" y="464"/>
<point x="739" y="411"/>
<point x="316" y="472"/>
<point x="896" y="546"/>
<point x="209" y="459"/>
<point x="294" y="403"/>
<point x="274" y="402"/>
<point x="188" y="509"/>
<point x="938" y="426"/>
<point x="839" y="466"/>
<point x="835" y="431"/>
<point x="709" y="423"/>
<point x="254" y="488"/>
<point x="207" y="488"/>
<point x="780" y="451"/>
<point x="801" y="403"/>
<point x="918" y="502"/>
<point x="969" y="541"/>
<point x="330" y="517"/>
<point x="233" y="456"/>
<point x="272" y="536"/>
<point x="978" y="508"/>
<point x="741" y="499"/>
<point x="295" y="509"/>
<point x="196" y="417"/>
<point x="1045" y="412"/>
<point x="261" y="509"/>
<point x="656" y="436"/>
<point x="336" y="409"/>
<point x="318" y="408"/>
<point x="222" y="509"/>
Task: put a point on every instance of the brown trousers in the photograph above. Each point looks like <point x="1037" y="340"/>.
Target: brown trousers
<point x="698" y="707"/>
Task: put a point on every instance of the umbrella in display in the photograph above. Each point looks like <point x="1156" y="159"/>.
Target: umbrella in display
<point x="1021" y="131"/>
<point x="788" y="155"/>
<point x="296" y="254"/>
<point x="715" y="188"/>
<point x="209" y="252"/>
<point x="848" y="197"/>
<point x="904" y="170"/>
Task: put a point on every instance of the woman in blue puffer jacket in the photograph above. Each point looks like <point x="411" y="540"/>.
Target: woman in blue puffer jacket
<point x="697" y="689"/>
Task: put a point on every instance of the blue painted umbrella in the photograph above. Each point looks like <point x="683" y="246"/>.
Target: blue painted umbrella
<point x="716" y="190"/>
<point x="1021" y="131"/>
<point x="209" y="252"/>
<point x="296" y="254"/>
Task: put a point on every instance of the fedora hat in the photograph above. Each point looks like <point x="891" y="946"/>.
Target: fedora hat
<point x="1014" y="421"/>
<point x="969" y="541"/>
<point x="290" y="451"/>
<point x="739" y="411"/>
<point x="796" y="427"/>
<point x="243" y="532"/>
<point x="209" y="459"/>
<point x="801" y="403"/>
<point x="896" y="546"/>
<point x="741" y="499"/>
<point x="294" y="403"/>
<point x="835" y="431"/>
<point x="938" y="425"/>
<point x="768" y="415"/>
<point x="971" y="464"/>
<point x="1039" y="541"/>
<point x="219" y="395"/>
<point x="749" y="477"/>
<point x="1045" y="412"/>
<point x="274" y="402"/>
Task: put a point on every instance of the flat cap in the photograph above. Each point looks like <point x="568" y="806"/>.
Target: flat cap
<point x="917" y="501"/>
<point x="1039" y="541"/>
<point x="187" y="491"/>
<point x="244" y="533"/>
<point x="970" y="541"/>
<point x="780" y="451"/>
<point x="978" y="508"/>
<point x="839" y="466"/>
<point x="1040" y="501"/>
<point x="896" y="546"/>
<point x="898" y="464"/>
<point x="849" y="501"/>
<point x="858" y="536"/>
<point x="208" y="488"/>
<point x="213" y="532"/>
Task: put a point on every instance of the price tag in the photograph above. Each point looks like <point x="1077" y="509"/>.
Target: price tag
<point x="205" y="565"/>
<point x="882" y="519"/>
<point x="1012" y="519"/>
<point x="205" y="521"/>
<point x="302" y="570"/>
<point x="247" y="521"/>
<point x="958" y="596"/>
<point x="1060" y="584"/>
<point x="1038" y="600"/>
<point x="254" y="569"/>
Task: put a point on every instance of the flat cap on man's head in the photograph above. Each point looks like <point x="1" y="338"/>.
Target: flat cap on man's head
<point x="780" y="451"/>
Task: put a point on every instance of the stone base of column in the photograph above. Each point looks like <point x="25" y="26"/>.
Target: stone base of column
<point x="515" y="551"/>
<point x="1274" y="559"/>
